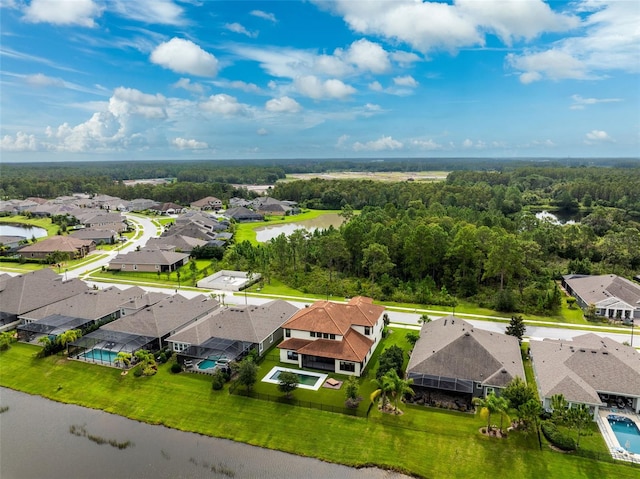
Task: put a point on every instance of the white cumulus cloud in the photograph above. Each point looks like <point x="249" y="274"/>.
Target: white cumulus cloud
<point x="406" y="81"/>
<point x="223" y="104"/>
<point x="283" y="105"/>
<point x="184" y="56"/>
<point x="189" y="144"/>
<point x="381" y="144"/>
<point x="553" y="64"/>
<point x="597" y="136"/>
<point x="187" y="84"/>
<point x="315" y="88"/>
<point x="63" y="12"/>
<point x="20" y="142"/>
<point x="163" y="12"/>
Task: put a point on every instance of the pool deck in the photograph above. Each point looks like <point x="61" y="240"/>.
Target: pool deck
<point x="616" y="449"/>
<point x="321" y="377"/>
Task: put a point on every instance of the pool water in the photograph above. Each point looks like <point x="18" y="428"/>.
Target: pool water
<point x="302" y="378"/>
<point x="306" y="379"/>
<point x="626" y="432"/>
<point x="103" y="355"/>
<point x="206" y="364"/>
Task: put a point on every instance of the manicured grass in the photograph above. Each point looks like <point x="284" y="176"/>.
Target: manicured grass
<point x="45" y="223"/>
<point x="246" y="231"/>
<point x="425" y="442"/>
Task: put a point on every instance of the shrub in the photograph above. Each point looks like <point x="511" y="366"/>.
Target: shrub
<point x="218" y="381"/>
<point x="176" y="368"/>
<point x="137" y="371"/>
<point x="557" y="438"/>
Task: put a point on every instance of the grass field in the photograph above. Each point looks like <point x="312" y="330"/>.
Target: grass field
<point x="246" y="231"/>
<point x="425" y="442"/>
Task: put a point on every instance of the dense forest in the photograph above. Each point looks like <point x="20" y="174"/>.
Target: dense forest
<point x="474" y="236"/>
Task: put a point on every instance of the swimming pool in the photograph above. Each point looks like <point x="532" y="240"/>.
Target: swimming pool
<point x="306" y="379"/>
<point x="104" y="355"/>
<point x="210" y="362"/>
<point x="626" y="431"/>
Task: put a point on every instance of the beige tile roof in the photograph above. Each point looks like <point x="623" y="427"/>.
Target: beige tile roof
<point x="251" y="323"/>
<point x="588" y="364"/>
<point x="452" y="347"/>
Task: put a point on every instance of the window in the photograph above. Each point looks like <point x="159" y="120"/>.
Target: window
<point x="271" y="338"/>
<point x="367" y="330"/>
<point x="332" y="336"/>
<point x="313" y="334"/>
<point x="479" y="386"/>
<point x="325" y="335"/>
<point x="292" y="355"/>
<point x="287" y="333"/>
<point x="490" y="391"/>
<point x="345" y="366"/>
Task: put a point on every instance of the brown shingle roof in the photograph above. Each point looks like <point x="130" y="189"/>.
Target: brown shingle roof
<point x="453" y="348"/>
<point x="581" y="368"/>
<point x="66" y="244"/>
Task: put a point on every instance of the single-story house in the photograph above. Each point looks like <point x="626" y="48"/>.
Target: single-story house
<point x="589" y="369"/>
<point x="183" y="244"/>
<point x="235" y="201"/>
<point x="141" y="204"/>
<point x="147" y="328"/>
<point x="234" y="329"/>
<point x="453" y="356"/>
<point x="203" y="221"/>
<point x="333" y="336"/>
<point x="11" y="242"/>
<point x="82" y="311"/>
<point x="614" y="297"/>
<point x="149" y="261"/>
<point x="76" y="248"/>
<point x="168" y="209"/>
<point x="240" y="214"/>
<point x="208" y="203"/>
<point x="271" y="206"/>
<point x="21" y="294"/>
<point x="97" y="235"/>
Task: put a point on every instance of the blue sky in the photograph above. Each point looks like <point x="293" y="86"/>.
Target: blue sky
<point x="198" y="79"/>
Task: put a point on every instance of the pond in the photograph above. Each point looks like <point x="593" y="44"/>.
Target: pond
<point x="28" y="232"/>
<point x="265" y="233"/>
<point x="42" y="438"/>
<point x="560" y="217"/>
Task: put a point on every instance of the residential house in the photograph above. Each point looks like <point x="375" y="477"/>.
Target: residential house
<point x="168" y="209"/>
<point x="141" y="204"/>
<point x="614" y="297"/>
<point x="208" y="203"/>
<point x="232" y="331"/>
<point x="333" y="336"/>
<point x="82" y="311"/>
<point x="271" y="206"/>
<point x="164" y="318"/>
<point x="201" y="219"/>
<point x="99" y="236"/>
<point x="30" y="291"/>
<point x="74" y="247"/>
<point x="242" y="214"/>
<point x="455" y="357"/>
<point x="235" y="202"/>
<point x="589" y="369"/>
<point x="183" y="244"/>
<point x="149" y="261"/>
<point x="102" y="220"/>
<point x="10" y="243"/>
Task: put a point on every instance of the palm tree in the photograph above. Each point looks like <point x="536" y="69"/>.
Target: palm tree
<point x="384" y="387"/>
<point x="559" y="408"/>
<point x="399" y="387"/>
<point x="123" y="358"/>
<point x="424" y="318"/>
<point x="68" y="336"/>
<point x="488" y="406"/>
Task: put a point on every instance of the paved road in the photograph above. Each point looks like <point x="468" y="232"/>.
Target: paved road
<point x="398" y="319"/>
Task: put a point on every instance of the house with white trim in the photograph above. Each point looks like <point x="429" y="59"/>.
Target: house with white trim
<point x="334" y="337"/>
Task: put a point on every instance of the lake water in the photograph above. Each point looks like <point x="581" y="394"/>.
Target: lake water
<point x="37" y="442"/>
<point x="265" y="233"/>
<point x="25" y="232"/>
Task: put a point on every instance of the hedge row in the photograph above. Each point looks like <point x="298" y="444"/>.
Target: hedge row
<point x="557" y="438"/>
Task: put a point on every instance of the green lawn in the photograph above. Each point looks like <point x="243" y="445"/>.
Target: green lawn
<point x="246" y="231"/>
<point x="424" y="442"/>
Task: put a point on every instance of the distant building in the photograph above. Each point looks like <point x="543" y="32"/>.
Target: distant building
<point x="614" y="297"/>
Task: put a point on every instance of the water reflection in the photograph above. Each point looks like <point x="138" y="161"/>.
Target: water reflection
<point x="42" y="438"/>
<point x="265" y="233"/>
<point x="24" y="231"/>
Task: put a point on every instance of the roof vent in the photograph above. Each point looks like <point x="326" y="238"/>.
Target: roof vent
<point x="605" y="353"/>
<point x="583" y="351"/>
<point x="445" y="322"/>
<point x="467" y="334"/>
